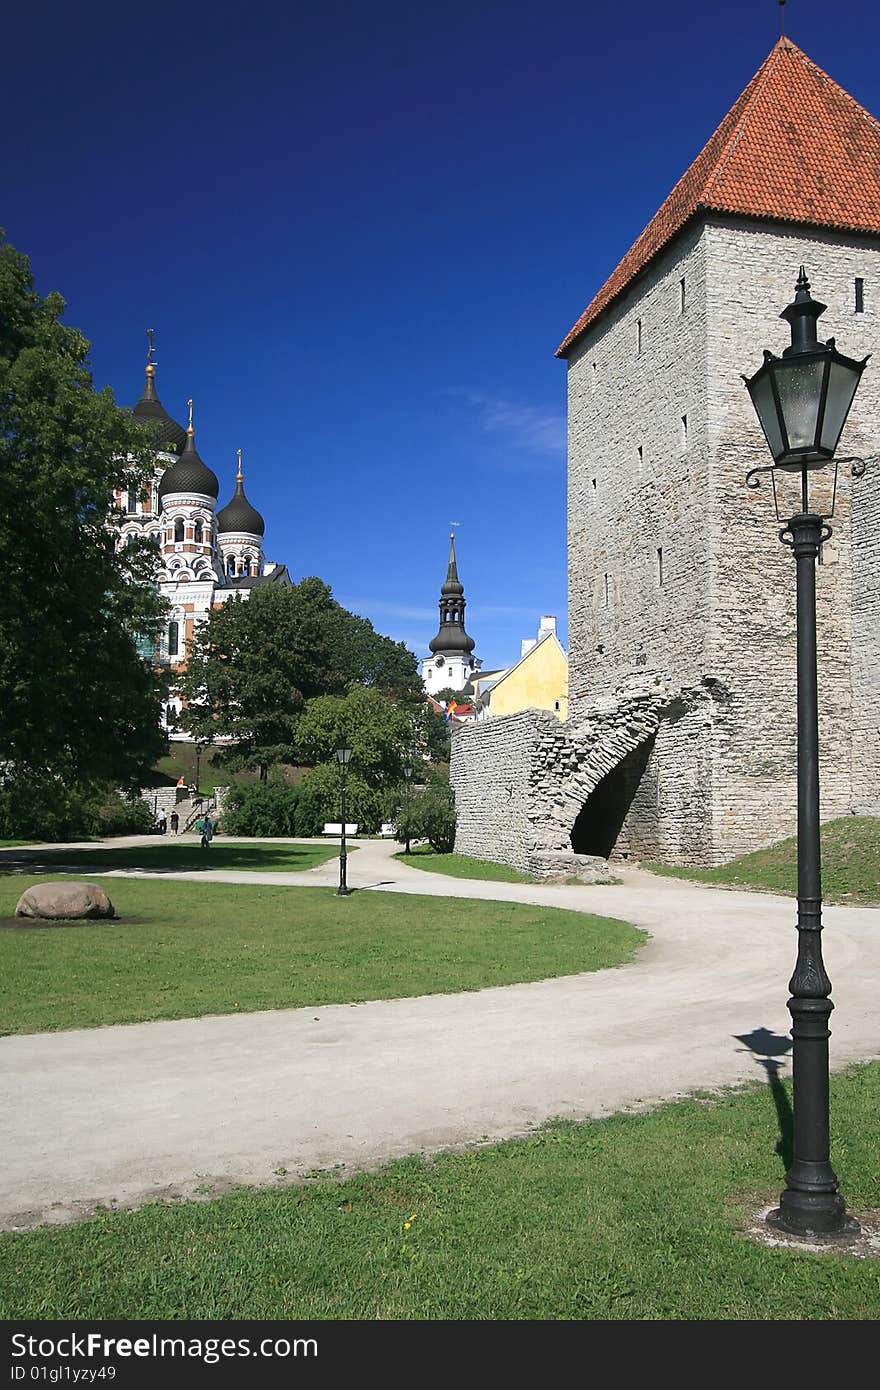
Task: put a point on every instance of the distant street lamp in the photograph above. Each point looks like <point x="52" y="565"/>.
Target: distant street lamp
<point x="407" y="772"/>
<point x="802" y="400"/>
<point x="343" y="757"/>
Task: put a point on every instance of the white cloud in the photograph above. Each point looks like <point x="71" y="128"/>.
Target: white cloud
<point x="528" y="428"/>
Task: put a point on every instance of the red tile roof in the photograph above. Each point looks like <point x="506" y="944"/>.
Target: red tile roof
<point x="795" y="147"/>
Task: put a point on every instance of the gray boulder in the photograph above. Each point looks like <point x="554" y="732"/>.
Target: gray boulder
<point x="64" y="901"/>
<point x="559" y="865"/>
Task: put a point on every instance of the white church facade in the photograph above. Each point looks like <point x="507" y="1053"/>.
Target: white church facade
<point x="205" y="554"/>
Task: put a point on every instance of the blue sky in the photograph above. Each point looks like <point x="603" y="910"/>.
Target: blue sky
<point x="360" y="231"/>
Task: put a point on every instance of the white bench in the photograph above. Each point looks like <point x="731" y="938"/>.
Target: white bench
<point x="335" y="828"/>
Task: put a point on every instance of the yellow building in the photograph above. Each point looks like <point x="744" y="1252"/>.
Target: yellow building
<point x="539" y="680"/>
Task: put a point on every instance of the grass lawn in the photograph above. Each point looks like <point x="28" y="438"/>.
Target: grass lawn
<point x="181" y="761"/>
<point x="632" y="1217"/>
<point x="188" y="949"/>
<point x="850" y="864"/>
<point x="184" y="856"/>
<point x="460" y="866"/>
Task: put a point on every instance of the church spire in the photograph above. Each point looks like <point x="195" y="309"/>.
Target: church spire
<point x="452" y="639"/>
<point x="149" y="410"/>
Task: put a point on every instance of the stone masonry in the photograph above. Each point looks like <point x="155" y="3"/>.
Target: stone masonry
<point x="523" y="780"/>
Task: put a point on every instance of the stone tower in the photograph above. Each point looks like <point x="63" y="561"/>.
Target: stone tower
<point x="680" y="743"/>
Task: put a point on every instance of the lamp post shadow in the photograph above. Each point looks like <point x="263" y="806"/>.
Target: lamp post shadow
<point x="769" y="1051"/>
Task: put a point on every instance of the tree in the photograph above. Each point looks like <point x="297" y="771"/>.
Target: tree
<point x="255" y="664"/>
<point x="378" y="729"/>
<point x="432" y="816"/>
<point x="79" y="702"/>
<point x="252" y="666"/>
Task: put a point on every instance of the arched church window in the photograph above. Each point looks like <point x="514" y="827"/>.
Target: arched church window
<point x="197" y="534"/>
<point x="178" y="529"/>
<point x="246" y="566"/>
<point x="230" y="565"/>
<point x="131" y="502"/>
<point x="173" y="639"/>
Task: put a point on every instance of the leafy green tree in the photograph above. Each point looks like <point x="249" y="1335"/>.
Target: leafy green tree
<point x="377" y="728"/>
<point x="433" y="815"/>
<point x="252" y="666"/>
<point x="255" y="664"/>
<point x="80" y="704"/>
<point x="320" y="800"/>
<point x="262" y="808"/>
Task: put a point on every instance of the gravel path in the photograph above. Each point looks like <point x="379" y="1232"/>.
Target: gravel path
<point x="120" y="1114"/>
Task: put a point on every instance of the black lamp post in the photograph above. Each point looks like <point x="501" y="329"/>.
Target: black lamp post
<point x="343" y="757"/>
<point x="198" y="765"/>
<point x="802" y="400"/>
<point x="407" y="772"/>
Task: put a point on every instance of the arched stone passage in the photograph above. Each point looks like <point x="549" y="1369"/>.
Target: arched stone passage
<point x="600" y="820"/>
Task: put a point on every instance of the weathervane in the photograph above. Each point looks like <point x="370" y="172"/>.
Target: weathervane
<point x="782" y="19"/>
<point x="238" y="474"/>
<point x="190" y="404"/>
<point x="150" y="332"/>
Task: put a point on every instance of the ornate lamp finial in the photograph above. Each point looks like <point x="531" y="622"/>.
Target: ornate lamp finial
<point x="238" y="476"/>
<point x="151" y="366"/>
<point x="189" y="428"/>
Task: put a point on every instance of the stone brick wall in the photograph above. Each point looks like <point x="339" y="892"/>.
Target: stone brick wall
<point x="522" y="781"/>
<point x="629" y="388"/>
<point x="751" y="271"/>
<point x="492" y="767"/>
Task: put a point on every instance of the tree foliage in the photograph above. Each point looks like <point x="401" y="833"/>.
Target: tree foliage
<point x="79" y="703"/>
<point x="432" y="816"/>
<point x="261" y="808"/>
<point x="255" y="664"/>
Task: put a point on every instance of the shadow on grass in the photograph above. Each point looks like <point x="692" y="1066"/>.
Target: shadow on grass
<point x="172" y="858"/>
<point x="770" y="1050"/>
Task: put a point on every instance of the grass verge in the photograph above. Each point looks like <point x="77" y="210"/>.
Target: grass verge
<point x="182" y="856"/>
<point x="461" y="866"/>
<point x="850" y="864"/>
<point x="632" y="1217"/>
<point x="186" y="949"/>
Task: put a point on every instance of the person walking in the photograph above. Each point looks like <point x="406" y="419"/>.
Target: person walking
<point x="175" y="822"/>
<point x="163" y="822"/>
<point x="207" y="832"/>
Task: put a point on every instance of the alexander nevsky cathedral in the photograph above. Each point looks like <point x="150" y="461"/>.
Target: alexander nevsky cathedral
<point x="206" y="554"/>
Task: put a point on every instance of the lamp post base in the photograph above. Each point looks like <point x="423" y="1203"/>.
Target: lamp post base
<point x="817" y="1216"/>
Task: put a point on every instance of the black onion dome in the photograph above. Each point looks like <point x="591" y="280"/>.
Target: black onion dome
<point x="189" y="473"/>
<point x="451" y="638"/>
<point x="150" y="411"/>
<point x="239" y="515"/>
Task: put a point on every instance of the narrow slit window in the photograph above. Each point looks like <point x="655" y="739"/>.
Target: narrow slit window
<point x="594" y="485"/>
<point x="595" y="371"/>
<point x="684" y="431"/>
<point x="681" y="297"/>
<point x="638" y="336"/>
<point x="606" y="591"/>
<point x="860" y="296"/>
<point x="659" y="567"/>
<point x="641" y="453"/>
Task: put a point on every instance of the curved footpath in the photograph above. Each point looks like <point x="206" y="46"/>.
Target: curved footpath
<point x="122" y="1114"/>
